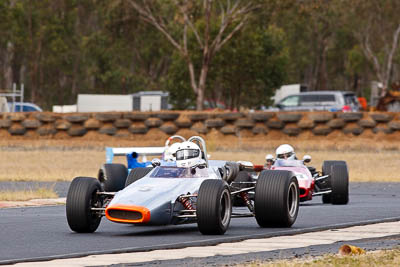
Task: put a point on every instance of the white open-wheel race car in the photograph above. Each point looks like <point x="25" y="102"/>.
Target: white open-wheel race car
<point x="190" y="189"/>
<point x="332" y="182"/>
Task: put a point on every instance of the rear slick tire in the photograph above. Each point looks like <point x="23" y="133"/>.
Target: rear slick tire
<point x="276" y="200"/>
<point x="136" y="174"/>
<point x="340" y="185"/>
<point x="214" y="207"/>
<point x="326" y="170"/>
<point x="112" y="177"/>
<point x="82" y="196"/>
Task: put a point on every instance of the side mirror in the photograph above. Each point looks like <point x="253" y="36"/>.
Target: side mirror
<point x="307" y="159"/>
<point x="155" y="162"/>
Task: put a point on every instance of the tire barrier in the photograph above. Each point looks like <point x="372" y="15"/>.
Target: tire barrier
<point x="131" y="124"/>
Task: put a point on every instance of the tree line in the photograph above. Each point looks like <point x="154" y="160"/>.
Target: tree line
<point x="230" y="52"/>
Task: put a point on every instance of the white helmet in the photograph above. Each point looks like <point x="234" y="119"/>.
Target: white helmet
<point x="170" y="152"/>
<point x="269" y="157"/>
<point x="285" y="152"/>
<point x="188" y="155"/>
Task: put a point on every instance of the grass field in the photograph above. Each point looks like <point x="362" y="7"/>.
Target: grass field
<point x="22" y="195"/>
<point x="63" y="164"/>
<point x="374" y="258"/>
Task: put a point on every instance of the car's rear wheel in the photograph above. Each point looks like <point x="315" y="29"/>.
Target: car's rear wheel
<point x="112" y="176"/>
<point x="338" y="182"/>
<point x="232" y="170"/>
<point x="340" y="185"/>
<point x="136" y="174"/>
<point x="326" y="199"/>
<point x="214" y="207"/>
<point x="276" y="200"/>
<point x="82" y="197"/>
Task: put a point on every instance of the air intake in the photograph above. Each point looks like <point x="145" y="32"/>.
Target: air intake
<point x="125" y="215"/>
<point x="128" y="214"/>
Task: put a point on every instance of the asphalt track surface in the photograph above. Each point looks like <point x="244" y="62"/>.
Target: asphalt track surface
<point x="42" y="233"/>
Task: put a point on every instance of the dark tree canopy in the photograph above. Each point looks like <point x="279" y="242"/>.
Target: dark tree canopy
<point x="233" y="53"/>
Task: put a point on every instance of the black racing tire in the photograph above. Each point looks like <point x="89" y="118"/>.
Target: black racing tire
<point x="242" y="176"/>
<point x="340" y="185"/>
<point x="80" y="199"/>
<point x="276" y="200"/>
<point x="327" y="170"/>
<point x="232" y="171"/>
<point x="136" y="174"/>
<point x="112" y="176"/>
<point x="214" y="207"/>
<point x="326" y="198"/>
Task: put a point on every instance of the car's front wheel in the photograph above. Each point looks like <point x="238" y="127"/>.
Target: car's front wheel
<point x="214" y="207"/>
<point x="82" y="197"/>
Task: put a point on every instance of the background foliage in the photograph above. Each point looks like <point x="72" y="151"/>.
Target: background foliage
<point x="59" y="48"/>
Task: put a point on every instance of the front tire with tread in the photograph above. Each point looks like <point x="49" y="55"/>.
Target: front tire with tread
<point x="82" y="196"/>
<point x="214" y="207"/>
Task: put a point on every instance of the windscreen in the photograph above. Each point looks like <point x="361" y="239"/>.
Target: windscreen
<point x="176" y="172"/>
<point x="288" y="163"/>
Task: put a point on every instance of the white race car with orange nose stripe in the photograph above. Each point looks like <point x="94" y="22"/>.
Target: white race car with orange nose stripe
<point x="193" y="190"/>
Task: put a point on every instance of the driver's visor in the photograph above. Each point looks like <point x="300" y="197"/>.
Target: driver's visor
<point x="284" y="155"/>
<point x="187" y="154"/>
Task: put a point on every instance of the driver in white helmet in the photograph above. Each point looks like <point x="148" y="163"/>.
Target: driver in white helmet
<point x="285" y="152"/>
<point x="188" y="155"/>
<point x="269" y="161"/>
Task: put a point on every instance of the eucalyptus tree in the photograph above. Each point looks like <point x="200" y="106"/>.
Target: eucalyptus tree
<point x="376" y="26"/>
<point x="177" y="19"/>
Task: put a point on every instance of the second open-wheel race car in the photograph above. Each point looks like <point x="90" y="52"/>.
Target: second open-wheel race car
<point x="332" y="182"/>
<point x="190" y="189"/>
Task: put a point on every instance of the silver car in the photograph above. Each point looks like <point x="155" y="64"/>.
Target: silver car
<point x="167" y="194"/>
<point x="320" y="100"/>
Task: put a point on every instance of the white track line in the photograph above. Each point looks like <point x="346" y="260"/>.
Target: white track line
<point x="246" y="246"/>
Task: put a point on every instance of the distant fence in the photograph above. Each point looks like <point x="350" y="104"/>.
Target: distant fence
<point x="133" y="124"/>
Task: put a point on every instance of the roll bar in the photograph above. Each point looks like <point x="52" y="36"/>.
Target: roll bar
<point x="200" y="141"/>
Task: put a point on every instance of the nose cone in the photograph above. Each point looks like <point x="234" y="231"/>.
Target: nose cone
<point x="127" y="214"/>
<point x="150" y="199"/>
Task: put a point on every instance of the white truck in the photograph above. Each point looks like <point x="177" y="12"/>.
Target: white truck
<point x="288" y="89"/>
<point x="141" y="101"/>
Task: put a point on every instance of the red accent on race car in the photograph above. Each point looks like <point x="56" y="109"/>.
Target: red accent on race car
<point x="258" y="168"/>
<point x="116" y="213"/>
<point x="305" y="194"/>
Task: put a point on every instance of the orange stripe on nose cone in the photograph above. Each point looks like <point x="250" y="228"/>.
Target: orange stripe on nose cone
<point x="128" y="214"/>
